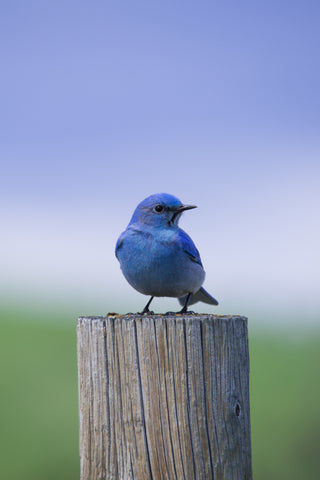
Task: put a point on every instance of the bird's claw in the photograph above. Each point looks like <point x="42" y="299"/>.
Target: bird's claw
<point x="188" y="312"/>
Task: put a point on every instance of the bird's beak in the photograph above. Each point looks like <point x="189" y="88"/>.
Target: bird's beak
<point x="182" y="208"/>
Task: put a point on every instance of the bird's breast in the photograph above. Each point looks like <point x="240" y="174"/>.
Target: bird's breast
<point x="155" y="264"/>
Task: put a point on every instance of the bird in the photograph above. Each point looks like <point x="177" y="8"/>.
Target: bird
<point x="158" y="258"/>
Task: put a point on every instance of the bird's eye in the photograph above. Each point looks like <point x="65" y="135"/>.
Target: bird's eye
<point x="158" y="208"/>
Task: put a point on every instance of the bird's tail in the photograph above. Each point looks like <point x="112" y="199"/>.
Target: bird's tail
<point x="200" y="296"/>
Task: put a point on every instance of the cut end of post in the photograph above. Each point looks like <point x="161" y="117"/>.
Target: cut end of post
<point x="166" y="315"/>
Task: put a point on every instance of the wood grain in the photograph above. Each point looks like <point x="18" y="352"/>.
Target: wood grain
<point x="164" y="397"/>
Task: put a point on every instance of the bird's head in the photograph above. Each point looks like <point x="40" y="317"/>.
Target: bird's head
<point x="161" y="209"/>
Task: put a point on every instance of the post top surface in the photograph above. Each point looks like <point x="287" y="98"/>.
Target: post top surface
<point x="166" y="316"/>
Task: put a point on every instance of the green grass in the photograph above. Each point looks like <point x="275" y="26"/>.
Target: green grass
<point x="285" y="415"/>
<point x="39" y="404"/>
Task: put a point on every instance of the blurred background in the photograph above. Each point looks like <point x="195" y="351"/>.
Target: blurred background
<point x="105" y="103"/>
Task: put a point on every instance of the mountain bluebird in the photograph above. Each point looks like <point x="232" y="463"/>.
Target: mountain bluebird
<point x="157" y="257"/>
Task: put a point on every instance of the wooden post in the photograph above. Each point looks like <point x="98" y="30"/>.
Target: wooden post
<point x="164" y="397"/>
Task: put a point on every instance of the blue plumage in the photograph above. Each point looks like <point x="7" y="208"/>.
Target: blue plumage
<point x="157" y="257"/>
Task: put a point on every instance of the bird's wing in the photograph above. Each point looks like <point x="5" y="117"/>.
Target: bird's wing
<point x="189" y="247"/>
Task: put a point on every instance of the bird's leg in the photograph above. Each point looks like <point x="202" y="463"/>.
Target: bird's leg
<point x="185" y="307"/>
<point x="146" y="308"/>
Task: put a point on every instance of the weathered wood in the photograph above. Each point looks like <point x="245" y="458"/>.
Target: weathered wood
<point x="164" y="397"/>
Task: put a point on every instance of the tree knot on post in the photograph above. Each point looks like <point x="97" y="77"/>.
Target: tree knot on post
<point x="237" y="409"/>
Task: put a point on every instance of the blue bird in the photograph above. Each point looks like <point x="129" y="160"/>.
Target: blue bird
<point x="157" y="257"/>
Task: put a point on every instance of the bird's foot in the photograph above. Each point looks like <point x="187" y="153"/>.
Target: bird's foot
<point x="184" y="310"/>
<point x="146" y="312"/>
